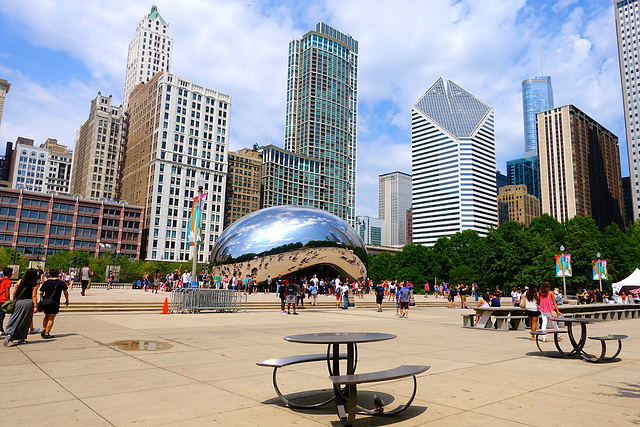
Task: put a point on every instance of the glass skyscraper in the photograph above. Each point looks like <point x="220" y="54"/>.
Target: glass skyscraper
<point x="525" y="172"/>
<point x="537" y="96"/>
<point x="453" y="161"/>
<point x="322" y="109"/>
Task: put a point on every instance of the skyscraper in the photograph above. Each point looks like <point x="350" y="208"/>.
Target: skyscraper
<point x="149" y="52"/>
<point x="4" y="90"/>
<point x="525" y="171"/>
<point x="453" y="163"/>
<point x="627" y="26"/>
<point x="243" y="185"/>
<point x="537" y="95"/>
<point x="321" y="111"/>
<point x="177" y="134"/>
<point x="579" y="167"/>
<point x="394" y="200"/>
<point x="97" y="151"/>
<point x="370" y="230"/>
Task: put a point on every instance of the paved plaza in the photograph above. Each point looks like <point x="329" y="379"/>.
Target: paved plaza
<point x="205" y="372"/>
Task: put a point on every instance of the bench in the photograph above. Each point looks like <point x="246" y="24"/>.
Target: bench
<point x="281" y="362"/>
<point x="347" y="404"/>
<point x="519" y="323"/>
<point x="603" y="339"/>
<point x="468" y="320"/>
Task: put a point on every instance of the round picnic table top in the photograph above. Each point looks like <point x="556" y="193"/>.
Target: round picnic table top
<point x="576" y="320"/>
<point x="609" y="337"/>
<point x="339" y="337"/>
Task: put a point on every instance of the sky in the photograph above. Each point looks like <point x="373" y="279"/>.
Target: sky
<point x="58" y="55"/>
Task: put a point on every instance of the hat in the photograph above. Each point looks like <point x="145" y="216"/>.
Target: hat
<point x="526" y="288"/>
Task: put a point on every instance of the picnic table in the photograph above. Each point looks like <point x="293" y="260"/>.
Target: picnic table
<point x="500" y="318"/>
<point x="345" y="386"/>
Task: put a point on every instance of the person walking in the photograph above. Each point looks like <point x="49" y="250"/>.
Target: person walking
<point x="25" y="295"/>
<point x="292" y="296"/>
<point x="50" y="292"/>
<point x="379" y="296"/>
<point x="5" y="289"/>
<point x="313" y="292"/>
<point x="548" y="308"/>
<point x="85" y="276"/>
<point x="281" y="294"/>
<point x="405" y="299"/>
<point x="532" y="307"/>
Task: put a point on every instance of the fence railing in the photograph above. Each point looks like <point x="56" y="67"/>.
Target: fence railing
<point x="185" y="300"/>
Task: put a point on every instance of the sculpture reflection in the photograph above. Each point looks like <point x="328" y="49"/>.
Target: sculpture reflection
<point x="291" y="241"/>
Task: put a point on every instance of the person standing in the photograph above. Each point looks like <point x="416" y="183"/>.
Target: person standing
<point x="281" y="294"/>
<point x="278" y="284"/>
<point x="405" y="299"/>
<point x="345" y="294"/>
<point x="292" y="296"/>
<point x="547" y="307"/>
<point x="5" y="289"/>
<point x="267" y="288"/>
<point x="85" y="276"/>
<point x="50" y="292"/>
<point x="25" y="295"/>
<point x="379" y="296"/>
<point x="517" y="297"/>
<point x="313" y="292"/>
<point x="110" y="280"/>
<point x="72" y="278"/>
<point x="463" y="296"/>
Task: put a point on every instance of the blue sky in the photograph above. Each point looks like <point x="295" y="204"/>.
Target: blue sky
<point x="58" y="54"/>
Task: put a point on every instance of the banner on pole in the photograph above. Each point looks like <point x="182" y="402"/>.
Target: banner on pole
<point x="599" y="271"/>
<point x="563" y="265"/>
<point x="194" y="233"/>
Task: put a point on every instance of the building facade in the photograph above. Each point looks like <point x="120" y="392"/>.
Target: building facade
<point x="394" y="200"/>
<point x="177" y="133"/>
<point x="149" y="52"/>
<point x="627" y="27"/>
<point x="522" y="206"/>
<point x="410" y="226"/>
<point x="29" y="166"/>
<point x="453" y="164"/>
<point x="537" y="95"/>
<point x="39" y="224"/>
<point x="525" y="171"/>
<point x="321" y="111"/>
<point x="243" y="185"/>
<point x="97" y="151"/>
<point x="291" y="179"/>
<point x="579" y="167"/>
<point x="370" y="230"/>
<point x="5" y="166"/>
<point x="4" y="90"/>
<point x="59" y="160"/>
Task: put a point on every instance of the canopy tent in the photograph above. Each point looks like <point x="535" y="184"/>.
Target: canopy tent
<point x="631" y="282"/>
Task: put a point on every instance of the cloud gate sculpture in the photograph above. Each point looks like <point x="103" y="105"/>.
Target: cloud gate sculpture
<point x="292" y="241"/>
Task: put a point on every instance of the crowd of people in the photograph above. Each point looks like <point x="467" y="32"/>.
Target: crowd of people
<point x="36" y="292"/>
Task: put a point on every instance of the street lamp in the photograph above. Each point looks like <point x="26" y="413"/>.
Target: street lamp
<point x="564" y="280"/>
<point x="194" y="274"/>
<point x="599" y="271"/>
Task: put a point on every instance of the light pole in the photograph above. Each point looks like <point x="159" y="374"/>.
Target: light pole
<point x="194" y="274"/>
<point x="599" y="271"/>
<point x="564" y="279"/>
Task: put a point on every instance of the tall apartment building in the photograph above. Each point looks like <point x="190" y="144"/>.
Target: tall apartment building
<point x="522" y="206"/>
<point x="370" y="230"/>
<point x="579" y="167"/>
<point x="149" y="52"/>
<point x="243" y="184"/>
<point x="177" y="133"/>
<point x="59" y="160"/>
<point x="394" y="200"/>
<point x="5" y="166"/>
<point x="39" y="224"/>
<point x="321" y="111"/>
<point x="97" y="151"/>
<point x="627" y="13"/>
<point x="291" y="179"/>
<point x="4" y="90"/>
<point x="29" y="166"/>
<point x="410" y="226"/>
<point x="453" y="163"/>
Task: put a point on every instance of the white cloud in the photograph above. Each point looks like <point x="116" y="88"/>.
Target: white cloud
<point x="240" y="48"/>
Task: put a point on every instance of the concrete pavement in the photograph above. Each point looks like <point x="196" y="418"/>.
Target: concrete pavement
<point x="206" y="373"/>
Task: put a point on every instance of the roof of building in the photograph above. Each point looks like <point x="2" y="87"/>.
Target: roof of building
<point x="154" y="14"/>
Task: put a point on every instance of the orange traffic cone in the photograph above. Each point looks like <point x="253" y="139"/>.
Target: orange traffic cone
<point x="165" y="307"/>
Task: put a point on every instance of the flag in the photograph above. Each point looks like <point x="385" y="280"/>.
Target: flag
<point x="563" y="265"/>
<point x="194" y="233"/>
<point x="599" y="271"/>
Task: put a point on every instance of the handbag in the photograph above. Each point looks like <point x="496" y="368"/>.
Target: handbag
<point x="523" y="302"/>
<point x="9" y="305"/>
<point x="554" y="313"/>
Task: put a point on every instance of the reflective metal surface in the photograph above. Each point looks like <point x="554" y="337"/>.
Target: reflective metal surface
<point x="292" y="241"/>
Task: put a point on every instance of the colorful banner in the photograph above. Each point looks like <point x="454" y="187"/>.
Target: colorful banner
<point x="194" y="233"/>
<point x="563" y="266"/>
<point x="599" y="271"/>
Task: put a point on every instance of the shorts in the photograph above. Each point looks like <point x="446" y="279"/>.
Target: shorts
<point x="338" y="297"/>
<point x="379" y="299"/>
<point x="404" y="305"/>
<point x="292" y="299"/>
<point x="531" y="313"/>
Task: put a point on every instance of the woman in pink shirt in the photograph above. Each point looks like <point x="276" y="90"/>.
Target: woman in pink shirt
<point x="547" y="306"/>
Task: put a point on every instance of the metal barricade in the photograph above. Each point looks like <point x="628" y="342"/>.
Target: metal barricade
<point x="185" y="300"/>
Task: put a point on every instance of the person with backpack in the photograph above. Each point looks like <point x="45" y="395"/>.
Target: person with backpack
<point x="291" y="290"/>
<point x="379" y="296"/>
<point x="50" y="293"/>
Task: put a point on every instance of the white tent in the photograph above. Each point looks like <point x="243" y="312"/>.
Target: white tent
<point x="631" y="282"/>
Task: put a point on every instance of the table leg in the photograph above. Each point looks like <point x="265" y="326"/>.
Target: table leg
<point x="347" y="398"/>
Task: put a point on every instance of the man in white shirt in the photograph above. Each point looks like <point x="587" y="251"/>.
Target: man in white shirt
<point x="345" y="294"/>
<point x="186" y="278"/>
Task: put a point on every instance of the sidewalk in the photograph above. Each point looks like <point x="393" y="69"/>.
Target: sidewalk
<point x="206" y="374"/>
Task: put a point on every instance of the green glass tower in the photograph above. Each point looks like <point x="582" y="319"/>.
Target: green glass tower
<point x="322" y="110"/>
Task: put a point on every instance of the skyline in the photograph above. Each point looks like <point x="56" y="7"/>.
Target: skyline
<point x="58" y="56"/>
